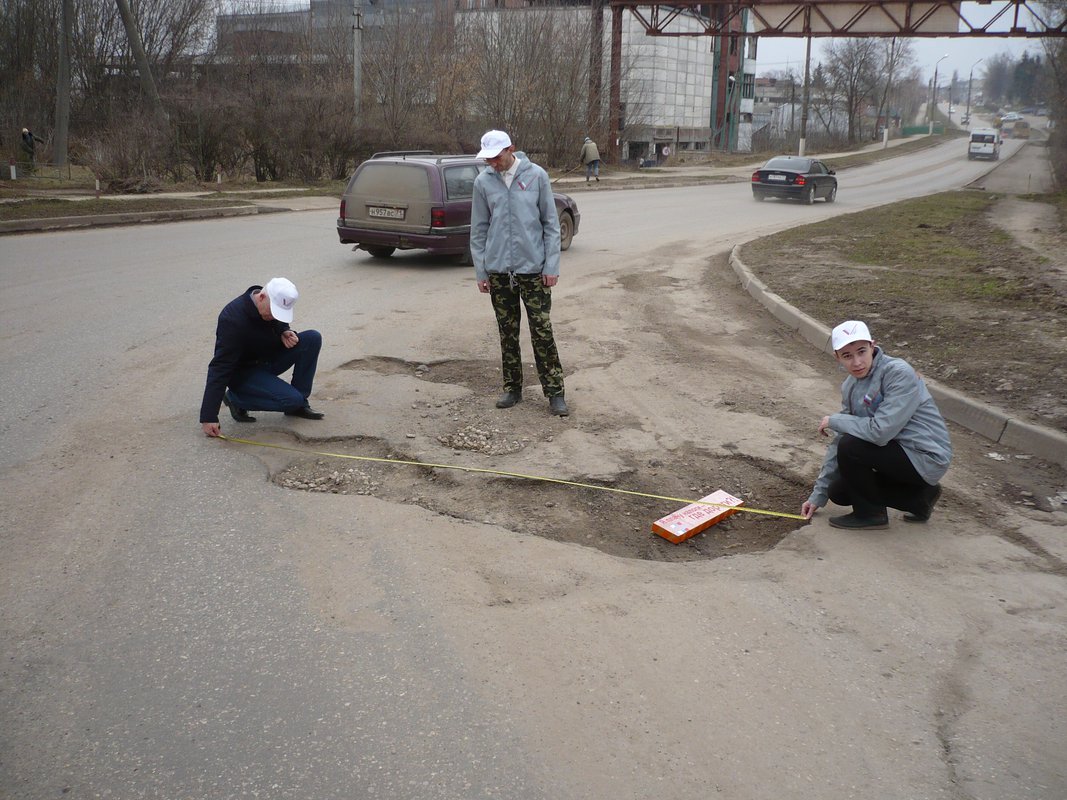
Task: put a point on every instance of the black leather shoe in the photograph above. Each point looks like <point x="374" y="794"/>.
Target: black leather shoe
<point x="558" y="406"/>
<point x="307" y="412"/>
<point x="854" y="522"/>
<point x="508" y="399"/>
<point x="933" y="494"/>
<point x="238" y="414"/>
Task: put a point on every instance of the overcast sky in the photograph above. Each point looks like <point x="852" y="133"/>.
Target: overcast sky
<point x="780" y="54"/>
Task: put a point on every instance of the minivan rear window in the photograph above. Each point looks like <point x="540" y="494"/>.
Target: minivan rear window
<point x="983" y="138"/>
<point x="400" y="182"/>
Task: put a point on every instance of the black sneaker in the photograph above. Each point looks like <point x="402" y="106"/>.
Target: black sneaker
<point x="854" y="522"/>
<point x="305" y="412"/>
<point x="238" y="414"/>
<point x="933" y="494"/>
<point x="508" y="399"/>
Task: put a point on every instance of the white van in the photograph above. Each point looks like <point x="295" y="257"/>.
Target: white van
<point x="985" y="143"/>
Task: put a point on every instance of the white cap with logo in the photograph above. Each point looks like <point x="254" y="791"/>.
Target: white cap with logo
<point x="849" y="332"/>
<point x="492" y="143"/>
<point x="283" y="295"/>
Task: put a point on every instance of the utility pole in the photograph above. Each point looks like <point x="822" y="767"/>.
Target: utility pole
<point x="59" y="149"/>
<point x="807" y="97"/>
<point x="596" y="65"/>
<point x="933" y="93"/>
<point x="357" y="57"/>
<point x="148" y="86"/>
<point x="970" y="79"/>
<point x="615" y="90"/>
<point x="792" y="104"/>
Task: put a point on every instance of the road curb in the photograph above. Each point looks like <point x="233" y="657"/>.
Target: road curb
<point x="986" y="420"/>
<point x="123" y="218"/>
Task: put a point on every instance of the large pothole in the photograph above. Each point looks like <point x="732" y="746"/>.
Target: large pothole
<point x="615" y="523"/>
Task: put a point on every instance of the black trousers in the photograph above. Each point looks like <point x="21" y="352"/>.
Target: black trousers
<point x="872" y="477"/>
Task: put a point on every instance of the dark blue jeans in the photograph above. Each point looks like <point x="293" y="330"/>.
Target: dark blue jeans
<point x="259" y="388"/>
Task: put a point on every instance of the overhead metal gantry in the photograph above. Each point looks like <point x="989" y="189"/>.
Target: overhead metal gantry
<point x="824" y="18"/>
<point x="726" y="19"/>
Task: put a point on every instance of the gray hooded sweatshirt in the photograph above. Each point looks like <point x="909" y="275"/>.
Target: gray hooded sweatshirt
<point x="890" y="403"/>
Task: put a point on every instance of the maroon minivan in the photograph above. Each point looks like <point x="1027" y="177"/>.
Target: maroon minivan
<point x="417" y="200"/>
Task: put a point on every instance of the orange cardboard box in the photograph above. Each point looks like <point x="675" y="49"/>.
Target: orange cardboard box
<point x="696" y="517"/>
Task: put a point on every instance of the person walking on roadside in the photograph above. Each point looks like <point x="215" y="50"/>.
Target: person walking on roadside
<point x="515" y="245"/>
<point x="253" y="346"/>
<point x="29" y="145"/>
<point x="891" y="446"/>
<point x="590" y="156"/>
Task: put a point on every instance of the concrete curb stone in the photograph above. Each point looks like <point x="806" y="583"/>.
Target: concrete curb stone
<point x="986" y="420"/>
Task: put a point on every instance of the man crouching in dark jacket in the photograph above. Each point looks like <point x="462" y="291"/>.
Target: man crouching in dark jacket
<point x="253" y="346"/>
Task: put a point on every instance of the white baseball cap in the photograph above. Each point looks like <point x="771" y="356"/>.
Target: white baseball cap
<point x="283" y="295"/>
<point x="849" y="332"/>
<point x="492" y="143"/>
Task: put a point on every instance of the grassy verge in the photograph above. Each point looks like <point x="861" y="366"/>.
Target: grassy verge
<point x="47" y="208"/>
<point x="940" y="285"/>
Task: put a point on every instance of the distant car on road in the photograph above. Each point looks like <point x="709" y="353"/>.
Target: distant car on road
<point x="418" y="200"/>
<point x="794" y="178"/>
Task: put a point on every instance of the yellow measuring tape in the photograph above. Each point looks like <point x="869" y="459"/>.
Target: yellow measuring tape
<point x="521" y="475"/>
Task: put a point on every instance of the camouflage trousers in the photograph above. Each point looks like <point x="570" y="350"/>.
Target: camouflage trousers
<point x="506" y="291"/>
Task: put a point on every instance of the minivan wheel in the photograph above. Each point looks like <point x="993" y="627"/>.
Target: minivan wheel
<point x="380" y="252"/>
<point x="566" y="230"/>
<point x="465" y="258"/>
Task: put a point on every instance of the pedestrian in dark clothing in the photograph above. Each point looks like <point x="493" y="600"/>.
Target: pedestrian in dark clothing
<point x="515" y="244"/>
<point x="253" y="346"/>
<point x="29" y="144"/>
<point x="891" y="446"/>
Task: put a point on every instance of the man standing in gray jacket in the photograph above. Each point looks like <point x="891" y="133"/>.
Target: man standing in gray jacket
<point x="515" y="245"/>
<point x="892" y="444"/>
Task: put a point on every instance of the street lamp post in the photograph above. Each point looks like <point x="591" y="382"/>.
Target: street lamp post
<point x="933" y="93"/>
<point x="970" y="78"/>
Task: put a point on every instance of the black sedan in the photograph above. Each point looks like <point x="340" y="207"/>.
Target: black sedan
<point x="796" y="178"/>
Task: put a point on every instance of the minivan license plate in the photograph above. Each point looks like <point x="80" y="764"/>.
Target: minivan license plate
<point x="387" y="213"/>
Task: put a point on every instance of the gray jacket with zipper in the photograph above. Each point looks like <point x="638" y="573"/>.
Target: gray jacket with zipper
<point x="890" y="403"/>
<point x="514" y="229"/>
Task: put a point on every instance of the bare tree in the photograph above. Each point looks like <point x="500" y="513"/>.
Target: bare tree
<point x="896" y="57"/>
<point x="395" y="71"/>
<point x="852" y="67"/>
<point x="1055" y="68"/>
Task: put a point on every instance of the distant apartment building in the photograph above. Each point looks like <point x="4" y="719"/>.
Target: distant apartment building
<point x="688" y="92"/>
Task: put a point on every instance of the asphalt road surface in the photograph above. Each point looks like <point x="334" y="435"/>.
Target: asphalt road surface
<point x="177" y="625"/>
